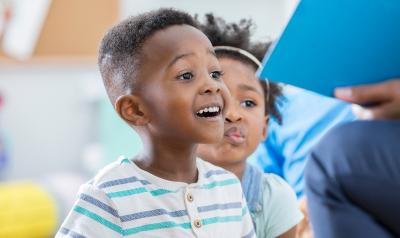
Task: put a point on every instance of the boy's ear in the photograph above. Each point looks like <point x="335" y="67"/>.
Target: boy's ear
<point x="132" y="110"/>
<point x="265" y="128"/>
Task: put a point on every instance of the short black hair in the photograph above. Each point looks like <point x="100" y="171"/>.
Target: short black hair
<point x="120" y="50"/>
<point x="238" y="35"/>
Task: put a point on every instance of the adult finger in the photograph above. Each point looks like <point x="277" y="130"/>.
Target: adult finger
<point x="365" y="94"/>
<point x="383" y="111"/>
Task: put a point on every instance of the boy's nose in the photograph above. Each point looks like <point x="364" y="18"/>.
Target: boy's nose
<point x="210" y="87"/>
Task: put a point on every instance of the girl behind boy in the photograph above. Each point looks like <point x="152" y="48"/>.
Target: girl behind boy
<point x="271" y="201"/>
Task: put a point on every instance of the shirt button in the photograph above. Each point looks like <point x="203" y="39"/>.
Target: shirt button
<point x="197" y="223"/>
<point x="189" y="197"/>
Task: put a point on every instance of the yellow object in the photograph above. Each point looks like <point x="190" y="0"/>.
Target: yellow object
<point x="26" y="211"/>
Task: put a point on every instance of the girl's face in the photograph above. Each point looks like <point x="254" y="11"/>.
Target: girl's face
<point x="245" y="122"/>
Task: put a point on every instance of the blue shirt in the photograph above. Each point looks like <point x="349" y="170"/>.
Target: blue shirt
<point x="306" y="118"/>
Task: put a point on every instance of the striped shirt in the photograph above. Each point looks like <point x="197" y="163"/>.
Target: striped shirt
<point x="126" y="201"/>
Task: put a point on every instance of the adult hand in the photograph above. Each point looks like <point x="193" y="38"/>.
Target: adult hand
<point x="377" y="101"/>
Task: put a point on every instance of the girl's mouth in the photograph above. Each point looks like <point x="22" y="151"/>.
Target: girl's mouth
<point x="235" y="136"/>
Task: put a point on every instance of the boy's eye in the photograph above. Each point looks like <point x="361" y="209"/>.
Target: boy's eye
<point x="216" y="74"/>
<point x="248" y="103"/>
<point x="185" y="76"/>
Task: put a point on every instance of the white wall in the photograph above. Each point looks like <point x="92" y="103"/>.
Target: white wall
<point x="270" y="15"/>
<point x="46" y="117"/>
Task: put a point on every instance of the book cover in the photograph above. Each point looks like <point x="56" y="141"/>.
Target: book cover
<point x="335" y="43"/>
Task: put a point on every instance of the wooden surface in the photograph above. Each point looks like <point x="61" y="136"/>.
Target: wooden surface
<point x="73" y="29"/>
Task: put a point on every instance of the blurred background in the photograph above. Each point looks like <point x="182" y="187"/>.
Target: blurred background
<point x="57" y="126"/>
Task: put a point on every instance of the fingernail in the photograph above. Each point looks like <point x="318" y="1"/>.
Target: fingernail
<point x="362" y="113"/>
<point x="367" y="115"/>
<point x="343" y="92"/>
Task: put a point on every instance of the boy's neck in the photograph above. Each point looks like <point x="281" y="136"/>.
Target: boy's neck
<point x="173" y="161"/>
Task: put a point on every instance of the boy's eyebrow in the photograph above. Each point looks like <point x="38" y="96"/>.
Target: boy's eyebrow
<point x="178" y="58"/>
<point x="249" y="88"/>
<point x="209" y="51"/>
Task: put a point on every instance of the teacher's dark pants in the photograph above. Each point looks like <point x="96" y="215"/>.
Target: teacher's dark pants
<point x="353" y="181"/>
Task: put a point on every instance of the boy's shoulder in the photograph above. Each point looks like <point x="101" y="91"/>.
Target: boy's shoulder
<point x="122" y="176"/>
<point x="122" y="172"/>
<point x="212" y="172"/>
<point x="118" y="172"/>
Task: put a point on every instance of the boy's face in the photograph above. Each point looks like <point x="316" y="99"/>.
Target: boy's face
<point x="179" y="83"/>
<point x="245" y="123"/>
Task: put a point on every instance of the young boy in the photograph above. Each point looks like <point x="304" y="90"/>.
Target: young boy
<point x="271" y="201"/>
<point x="163" y="78"/>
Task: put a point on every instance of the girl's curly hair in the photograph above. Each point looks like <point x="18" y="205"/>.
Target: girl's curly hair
<point x="238" y="35"/>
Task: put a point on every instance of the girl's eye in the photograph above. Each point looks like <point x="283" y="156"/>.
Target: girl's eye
<point x="185" y="76"/>
<point x="248" y="103"/>
<point x="216" y="75"/>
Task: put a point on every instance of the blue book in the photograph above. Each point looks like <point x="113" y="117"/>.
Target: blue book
<point x="335" y="43"/>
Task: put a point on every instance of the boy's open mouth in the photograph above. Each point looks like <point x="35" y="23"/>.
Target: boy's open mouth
<point x="209" y="111"/>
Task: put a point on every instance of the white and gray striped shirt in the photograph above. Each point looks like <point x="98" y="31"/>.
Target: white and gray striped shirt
<point x="123" y="200"/>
